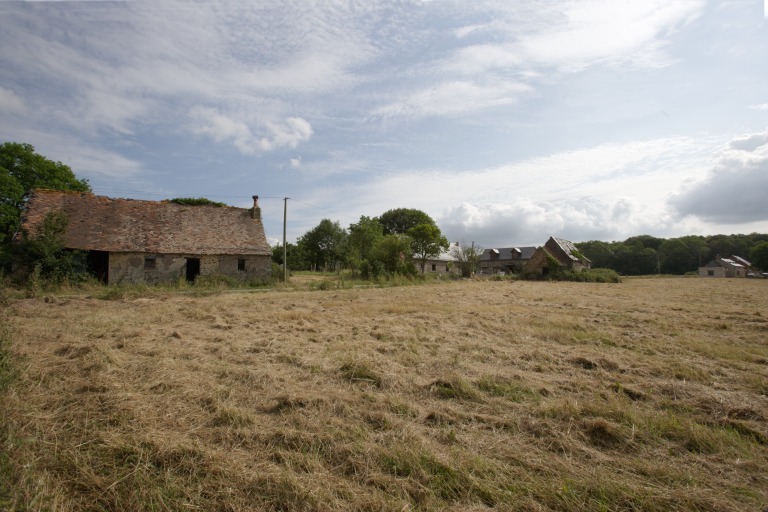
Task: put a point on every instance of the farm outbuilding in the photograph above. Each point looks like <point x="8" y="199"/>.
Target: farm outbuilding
<point x="725" y="267"/>
<point x="557" y="253"/>
<point x="137" y="241"/>
<point x="505" y="259"/>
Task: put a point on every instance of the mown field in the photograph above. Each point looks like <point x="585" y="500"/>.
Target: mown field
<point x="474" y="395"/>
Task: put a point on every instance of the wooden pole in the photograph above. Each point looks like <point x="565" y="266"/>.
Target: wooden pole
<point x="285" y="247"/>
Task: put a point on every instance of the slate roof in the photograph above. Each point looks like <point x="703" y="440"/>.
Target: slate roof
<point x="130" y="225"/>
<point x="505" y="253"/>
<point x="569" y="249"/>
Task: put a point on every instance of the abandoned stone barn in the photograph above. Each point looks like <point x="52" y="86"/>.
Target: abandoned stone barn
<point x="136" y="241"/>
<point x="557" y="253"/>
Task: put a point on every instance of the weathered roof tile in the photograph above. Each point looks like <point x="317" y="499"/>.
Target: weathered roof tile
<point x="130" y="225"/>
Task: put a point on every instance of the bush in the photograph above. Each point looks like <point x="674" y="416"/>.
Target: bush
<point x="595" y="275"/>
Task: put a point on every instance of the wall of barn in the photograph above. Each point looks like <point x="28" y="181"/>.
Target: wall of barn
<point x="146" y="268"/>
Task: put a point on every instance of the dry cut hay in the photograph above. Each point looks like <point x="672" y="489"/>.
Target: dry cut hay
<point x="647" y="395"/>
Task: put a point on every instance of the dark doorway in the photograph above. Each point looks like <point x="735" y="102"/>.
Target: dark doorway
<point x="193" y="269"/>
<point x="97" y="263"/>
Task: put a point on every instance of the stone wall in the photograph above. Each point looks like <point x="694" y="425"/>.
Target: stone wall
<point x="158" y="268"/>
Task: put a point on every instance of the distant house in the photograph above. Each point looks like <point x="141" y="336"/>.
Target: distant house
<point x="556" y="254"/>
<point x="135" y="241"/>
<point x="726" y="267"/>
<point x="443" y="264"/>
<point x="505" y="260"/>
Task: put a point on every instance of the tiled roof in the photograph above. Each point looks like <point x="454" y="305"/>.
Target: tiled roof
<point x="129" y="225"/>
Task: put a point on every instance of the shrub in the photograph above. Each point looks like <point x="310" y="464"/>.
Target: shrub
<point x="595" y="275"/>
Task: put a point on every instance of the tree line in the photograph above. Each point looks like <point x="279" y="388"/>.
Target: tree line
<point x="400" y="241"/>
<point x="646" y="254"/>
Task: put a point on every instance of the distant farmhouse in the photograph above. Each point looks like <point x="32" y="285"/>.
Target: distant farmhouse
<point x="445" y="263"/>
<point x="134" y="241"/>
<point x="505" y="260"/>
<point x="734" y="266"/>
<point x="556" y="254"/>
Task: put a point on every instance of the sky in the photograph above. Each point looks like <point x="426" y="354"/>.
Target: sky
<point x="506" y="121"/>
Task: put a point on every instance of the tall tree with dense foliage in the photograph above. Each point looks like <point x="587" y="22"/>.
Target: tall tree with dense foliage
<point x="363" y="237"/>
<point x="393" y="252"/>
<point x="21" y="171"/>
<point x="599" y="253"/>
<point x="400" y="220"/>
<point x="324" y="245"/>
<point x="427" y="242"/>
<point x="759" y="256"/>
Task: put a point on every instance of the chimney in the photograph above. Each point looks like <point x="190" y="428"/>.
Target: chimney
<point x="256" y="211"/>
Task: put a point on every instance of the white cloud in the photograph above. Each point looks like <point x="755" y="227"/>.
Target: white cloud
<point x="522" y="47"/>
<point x="762" y="106"/>
<point x="10" y="103"/>
<point x="605" y="31"/>
<point x="527" y="222"/>
<point x="222" y="128"/>
<point x="610" y="191"/>
<point x="734" y="191"/>
<point x="454" y="99"/>
<point x="295" y="162"/>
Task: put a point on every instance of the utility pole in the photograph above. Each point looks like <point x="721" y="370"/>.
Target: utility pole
<point x="285" y="247"/>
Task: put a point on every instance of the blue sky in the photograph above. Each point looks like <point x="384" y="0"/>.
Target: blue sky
<point x="506" y="121"/>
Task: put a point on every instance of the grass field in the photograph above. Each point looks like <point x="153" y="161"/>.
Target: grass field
<point x="473" y="395"/>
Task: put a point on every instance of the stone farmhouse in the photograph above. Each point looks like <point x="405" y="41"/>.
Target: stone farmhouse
<point x="505" y="260"/>
<point x="726" y="267"/>
<point x="556" y="253"/>
<point x="443" y="264"/>
<point x="136" y="241"/>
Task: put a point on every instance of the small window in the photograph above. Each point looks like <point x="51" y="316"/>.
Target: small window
<point x="150" y="263"/>
<point x="240" y="264"/>
<point x="710" y="272"/>
<point x="434" y="267"/>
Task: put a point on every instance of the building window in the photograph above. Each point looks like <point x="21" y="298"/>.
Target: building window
<point x="240" y="264"/>
<point x="434" y="268"/>
<point x="710" y="272"/>
<point x="150" y="263"/>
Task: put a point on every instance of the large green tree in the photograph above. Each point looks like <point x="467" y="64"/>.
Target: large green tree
<point x="600" y="253"/>
<point x="324" y="245"/>
<point x="759" y="256"/>
<point x="393" y="252"/>
<point x="427" y="242"/>
<point x="363" y="237"/>
<point x="21" y="171"/>
<point x="399" y="220"/>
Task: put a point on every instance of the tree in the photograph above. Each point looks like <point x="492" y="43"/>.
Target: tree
<point x="758" y="256"/>
<point x="196" y="201"/>
<point x="296" y="259"/>
<point x="466" y="257"/>
<point x="394" y="253"/>
<point x="21" y="171"/>
<point x="363" y="237"/>
<point x="681" y="255"/>
<point x="323" y="245"/>
<point x="400" y="220"/>
<point x="427" y="242"/>
<point x="600" y="253"/>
